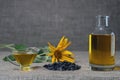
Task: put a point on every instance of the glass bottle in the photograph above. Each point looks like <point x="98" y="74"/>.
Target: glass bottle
<point x="102" y="46"/>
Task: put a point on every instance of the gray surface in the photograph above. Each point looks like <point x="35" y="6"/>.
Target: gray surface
<point x="9" y="70"/>
<point x="35" y="22"/>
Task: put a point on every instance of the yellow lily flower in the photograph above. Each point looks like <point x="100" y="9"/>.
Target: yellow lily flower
<point x="59" y="54"/>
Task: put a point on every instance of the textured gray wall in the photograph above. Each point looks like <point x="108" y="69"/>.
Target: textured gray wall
<point x="35" y="22"/>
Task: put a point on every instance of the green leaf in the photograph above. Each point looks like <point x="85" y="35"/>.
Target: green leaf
<point x="9" y="46"/>
<point x="42" y="50"/>
<point x="5" y="59"/>
<point x="11" y="57"/>
<point x="37" y="60"/>
<point x="20" y="47"/>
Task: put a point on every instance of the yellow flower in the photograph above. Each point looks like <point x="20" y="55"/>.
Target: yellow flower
<point x="59" y="54"/>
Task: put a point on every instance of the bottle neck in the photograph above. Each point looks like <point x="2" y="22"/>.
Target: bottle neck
<point x="102" y="21"/>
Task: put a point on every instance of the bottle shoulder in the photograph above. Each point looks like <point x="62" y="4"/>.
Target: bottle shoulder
<point x="103" y="30"/>
<point x="106" y="34"/>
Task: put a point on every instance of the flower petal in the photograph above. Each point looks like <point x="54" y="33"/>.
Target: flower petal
<point x="61" y="42"/>
<point x="65" y="46"/>
<point x="65" y="41"/>
<point x="67" y="53"/>
<point x="68" y="59"/>
<point x="52" y="48"/>
<point x="53" y="59"/>
<point x="67" y="56"/>
<point x="50" y="54"/>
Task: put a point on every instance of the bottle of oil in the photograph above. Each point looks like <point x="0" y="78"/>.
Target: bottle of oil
<point x="102" y="46"/>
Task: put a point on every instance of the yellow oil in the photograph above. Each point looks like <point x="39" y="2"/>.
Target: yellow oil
<point x="24" y="59"/>
<point x="100" y="52"/>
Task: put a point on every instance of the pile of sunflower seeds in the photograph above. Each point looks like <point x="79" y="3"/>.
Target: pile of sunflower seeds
<point x="62" y="66"/>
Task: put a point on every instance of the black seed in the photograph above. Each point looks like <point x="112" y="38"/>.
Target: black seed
<point x="62" y="66"/>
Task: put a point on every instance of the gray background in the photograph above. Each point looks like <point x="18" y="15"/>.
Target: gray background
<point x="35" y="22"/>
